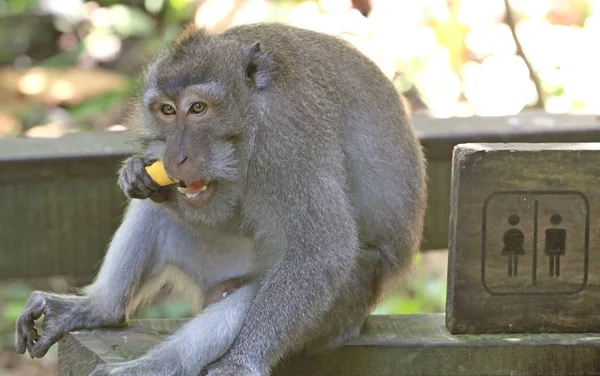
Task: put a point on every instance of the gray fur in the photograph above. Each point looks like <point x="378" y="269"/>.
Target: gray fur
<point x="320" y="196"/>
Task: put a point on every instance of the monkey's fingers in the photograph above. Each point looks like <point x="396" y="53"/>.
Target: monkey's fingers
<point x="144" y="187"/>
<point x="135" y="181"/>
<point x="26" y="337"/>
<point x="161" y="195"/>
<point x="43" y="345"/>
<point x="26" y="332"/>
<point x="26" y="341"/>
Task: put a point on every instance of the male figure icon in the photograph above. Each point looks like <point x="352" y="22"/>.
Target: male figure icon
<point x="555" y="245"/>
<point x="513" y="240"/>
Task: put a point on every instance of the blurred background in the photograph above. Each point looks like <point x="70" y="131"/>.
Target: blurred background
<point x="70" y="65"/>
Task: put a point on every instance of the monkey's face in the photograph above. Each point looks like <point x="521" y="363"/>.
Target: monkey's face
<point x="200" y="131"/>
<point x="198" y="103"/>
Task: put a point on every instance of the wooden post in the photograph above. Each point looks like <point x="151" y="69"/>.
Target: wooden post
<point x="523" y="245"/>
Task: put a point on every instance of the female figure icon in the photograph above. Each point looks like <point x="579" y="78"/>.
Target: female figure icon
<point x="513" y="240"/>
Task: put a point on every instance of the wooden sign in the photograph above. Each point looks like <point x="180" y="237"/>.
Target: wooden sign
<point x="523" y="248"/>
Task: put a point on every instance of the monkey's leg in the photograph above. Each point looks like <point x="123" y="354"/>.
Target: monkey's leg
<point x="201" y="341"/>
<point x="128" y="264"/>
<point x="357" y="299"/>
<point x="301" y="288"/>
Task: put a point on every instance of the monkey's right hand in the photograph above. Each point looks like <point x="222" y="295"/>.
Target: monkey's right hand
<point x="136" y="183"/>
<point x="61" y="315"/>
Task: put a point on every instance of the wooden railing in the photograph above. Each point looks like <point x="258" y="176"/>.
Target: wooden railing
<point x="61" y="203"/>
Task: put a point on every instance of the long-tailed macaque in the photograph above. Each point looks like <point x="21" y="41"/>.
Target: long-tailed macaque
<point x="299" y="172"/>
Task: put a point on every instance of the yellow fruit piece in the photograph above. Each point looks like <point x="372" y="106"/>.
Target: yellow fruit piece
<point x="157" y="172"/>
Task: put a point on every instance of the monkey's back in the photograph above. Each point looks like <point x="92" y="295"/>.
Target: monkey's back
<point x="348" y="98"/>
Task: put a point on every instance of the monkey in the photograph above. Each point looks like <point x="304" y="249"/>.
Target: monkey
<point x="300" y="174"/>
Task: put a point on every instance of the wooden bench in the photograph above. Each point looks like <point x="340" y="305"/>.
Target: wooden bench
<point x="505" y="316"/>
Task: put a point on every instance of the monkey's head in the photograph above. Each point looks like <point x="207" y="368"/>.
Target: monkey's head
<point x="197" y="101"/>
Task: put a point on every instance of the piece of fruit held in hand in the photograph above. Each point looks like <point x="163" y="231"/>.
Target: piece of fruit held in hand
<point x="158" y="173"/>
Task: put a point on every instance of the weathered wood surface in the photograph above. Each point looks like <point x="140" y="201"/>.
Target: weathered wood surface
<point x="389" y="346"/>
<point x="64" y="203"/>
<point x="523" y="253"/>
<point x="61" y="203"/>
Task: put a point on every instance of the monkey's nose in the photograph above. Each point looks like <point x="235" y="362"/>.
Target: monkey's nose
<point x="182" y="184"/>
<point x="182" y="159"/>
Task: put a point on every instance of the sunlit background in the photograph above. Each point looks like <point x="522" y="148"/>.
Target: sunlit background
<point x="70" y="65"/>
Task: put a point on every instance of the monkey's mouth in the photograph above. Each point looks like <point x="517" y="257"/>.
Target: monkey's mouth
<point x="197" y="192"/>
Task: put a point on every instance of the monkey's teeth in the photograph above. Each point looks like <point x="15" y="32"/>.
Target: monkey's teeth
<point x="188" y="194"/>
<point x="193" y="190"/>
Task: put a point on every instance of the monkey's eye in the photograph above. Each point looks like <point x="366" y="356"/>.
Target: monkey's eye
<point x="167" y="109"/>
<point x="198" y="108"/>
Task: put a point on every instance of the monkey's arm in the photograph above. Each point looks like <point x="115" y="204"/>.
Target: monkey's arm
<point x="128" y="263"/>
<point x="304" y="284"/>
<point x="199" y="342"/>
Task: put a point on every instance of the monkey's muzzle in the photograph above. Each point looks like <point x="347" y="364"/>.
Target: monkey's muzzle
<point x="197" y="191"/>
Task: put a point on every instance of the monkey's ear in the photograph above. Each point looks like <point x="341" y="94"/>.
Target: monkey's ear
<point x="259" y="66"/>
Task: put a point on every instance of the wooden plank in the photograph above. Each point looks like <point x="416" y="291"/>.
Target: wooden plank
<point x="65" y="205"/>
<point x="389" y="345"/>
<point x="523" y="252"/>
<point x="439" y="136"/>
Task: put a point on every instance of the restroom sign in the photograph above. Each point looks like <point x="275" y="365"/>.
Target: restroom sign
<point x="535" y="242"/>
